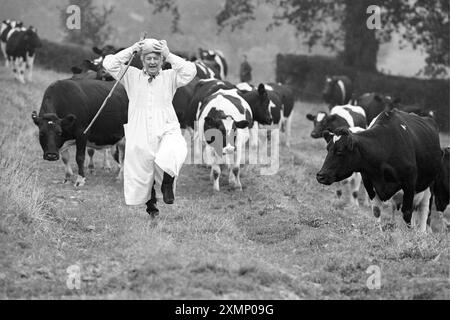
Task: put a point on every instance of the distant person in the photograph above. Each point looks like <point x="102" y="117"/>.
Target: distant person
<point x="245" y="71"/>
<point x="155" y="148"/>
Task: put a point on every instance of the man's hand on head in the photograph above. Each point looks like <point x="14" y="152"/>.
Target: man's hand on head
<point x="137" y="47"/>
<point x="162" y="48"/>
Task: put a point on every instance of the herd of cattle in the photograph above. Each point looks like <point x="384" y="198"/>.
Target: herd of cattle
<point x="393" y="149"/>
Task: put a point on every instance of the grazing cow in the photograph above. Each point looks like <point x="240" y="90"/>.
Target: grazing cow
<point x="258" y="100"/>
<point x="338" y="91"/>
<point x="352" y="117"/>
<point x="68" y="106"/>
<point x="347" y="116"/>
<point x="20" y="51"/>
<point x="216" y="61"/>
<point x="284" y="111"/>
<point x="224" y="119"/>
<point x="6" y="29"/>
<point x="399" y="151"/>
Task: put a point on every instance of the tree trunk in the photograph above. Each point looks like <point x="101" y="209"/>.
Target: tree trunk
<point x="360" y="45"/>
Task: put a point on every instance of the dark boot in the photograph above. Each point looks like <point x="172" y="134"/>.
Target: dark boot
<point x="167" y="189"/>
<point x="152" y="210"/>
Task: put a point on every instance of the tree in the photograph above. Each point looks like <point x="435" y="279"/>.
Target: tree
<point x="341" y="25"/>
<point x="422" y="23"/>
<point x="167" y="5"/>
<point x="94" y="29"/>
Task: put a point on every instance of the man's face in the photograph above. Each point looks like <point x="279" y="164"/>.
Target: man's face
<point x="152" y="63"/>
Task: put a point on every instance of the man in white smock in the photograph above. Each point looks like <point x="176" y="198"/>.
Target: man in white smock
<point x="155" y="148"/>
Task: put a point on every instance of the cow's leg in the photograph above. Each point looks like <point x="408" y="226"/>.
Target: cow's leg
<point x="121" y="156"/>
<point x="65" y="156"/>
<point x="198" y="148"/>
<point x="3" y="47"/>
<point x="407" y="204"/>
<point x="339" y="186"/>
<point x="423" y="210"/>
<point x="240" y="144"/>
<point x="377" y="207"/>
<point x="106" y="159"/>
<point x="288" y="129"/>
<point x="91" y="166"/>
<point x="20" y="66"/>
<point x="80" y="157"/>
<point x="254" y="136"/>
<point x="215" y="174"/>
<point x="29" y="66"/>
<point x="230" y="163"/>
<point x="355" y="183"/>
<point x="366" y="197"/>
<point x="14" y="64"/>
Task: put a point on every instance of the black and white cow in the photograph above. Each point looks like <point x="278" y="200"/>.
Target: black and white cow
<point x="282" y="113"/>
<point x="281" y="105"/>
<point x="258" y="100"/>
<point x="338" y="90"/>
<point x="223" y="121"/>
<point x="6" y="29"/>
<point x="20" y="51"/>
<point x="352" y="117"/>
<point x="215" y="59"/>
<point x="90" y="70"/>
<point x="68" y="106"/>
<point x="347" y="116"/>
<point x="399" y="151"/>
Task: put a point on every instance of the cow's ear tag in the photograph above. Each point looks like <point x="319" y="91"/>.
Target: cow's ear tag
<point x="35" y="118"/>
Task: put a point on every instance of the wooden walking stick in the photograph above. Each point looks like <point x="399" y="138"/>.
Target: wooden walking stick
<point x="113" y="88"/>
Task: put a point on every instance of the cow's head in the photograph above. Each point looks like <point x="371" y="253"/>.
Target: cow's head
<point x="206" y="54"/>
<point x="17" y="24"/>
<point x="327" y="93"/>
<point x="84" y="67"/>
<point x="52" y="132"/>
<point x="324" y="122"/>
<point x="342" y="159"/>
<point x="259" y="103"/>
<point x="221" y="131"/>
<point x="32" y="39"/>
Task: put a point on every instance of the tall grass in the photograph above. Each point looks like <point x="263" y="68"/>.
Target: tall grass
<point x="21" y="198"/>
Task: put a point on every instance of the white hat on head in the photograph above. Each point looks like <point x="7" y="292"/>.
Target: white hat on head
<point x="148" y="46"/>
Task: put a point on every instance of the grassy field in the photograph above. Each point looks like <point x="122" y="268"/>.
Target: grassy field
<point x="284" y="237"/>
